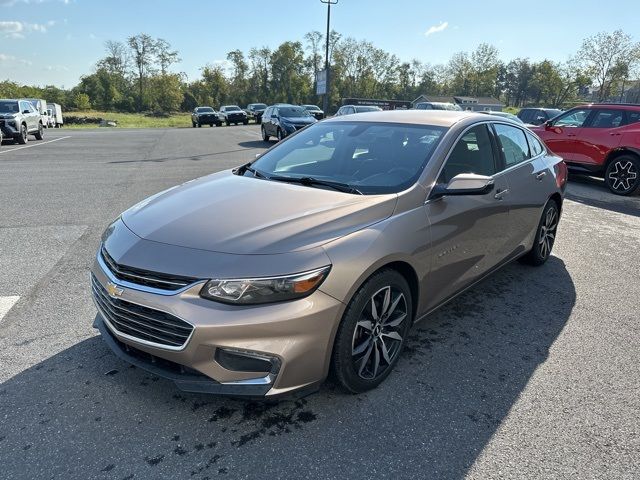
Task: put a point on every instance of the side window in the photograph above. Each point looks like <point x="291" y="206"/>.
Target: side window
<point x="525" y="115"/>
<point x="632" y="117"/>
<point x="573" y="118"/>
<point x="266" y="113"/>
<point x="473" y="153"/>
<point x="607" y="119"/>
<point x="514" y="144"/>
<point x="534" y="145"/>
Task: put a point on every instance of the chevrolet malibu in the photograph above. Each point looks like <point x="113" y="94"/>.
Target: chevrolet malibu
<point x="321" y="254"/>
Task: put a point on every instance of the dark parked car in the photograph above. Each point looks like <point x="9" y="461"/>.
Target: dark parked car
<point x="284" y="119"/>
<point x="19" y="118"/>
<point x="255" y="110"/>
<point x="349" y="109"/>
<point x="204" y="116"/>
<point x="537" y="116"/>
<point x="602" y="140"/>
<point x="510" y="116"/>
<point x="437" y="106"/>
<point x="315" y="111"/>
<point x="233" y="114"/>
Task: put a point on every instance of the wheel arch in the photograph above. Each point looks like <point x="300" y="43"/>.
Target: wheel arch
<point x="618" y="152"/>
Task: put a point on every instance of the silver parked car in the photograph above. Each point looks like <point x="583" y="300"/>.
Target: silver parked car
<point x="323" y="252"/>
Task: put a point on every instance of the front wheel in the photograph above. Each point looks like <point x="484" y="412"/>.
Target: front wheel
<point x="545" y="235"/>
<point x="623" y="175"/>
<point x="40" y="133"/>
<point x="372" y="332"/>
<point x="22" y="138"/>
<point x="246" y="122"/>
<point x="280" y="135"/>
<point x="228" y="123"/>
<point x="265" y="137"/>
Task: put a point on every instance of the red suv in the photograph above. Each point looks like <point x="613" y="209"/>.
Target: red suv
<point x="602" y="139"/>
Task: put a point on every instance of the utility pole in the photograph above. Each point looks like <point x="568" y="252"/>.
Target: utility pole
<point x="325" y="101"/>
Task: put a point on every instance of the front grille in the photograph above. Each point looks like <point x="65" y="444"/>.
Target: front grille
<point x="140" y="322"/>
<point x="146" y="278"/>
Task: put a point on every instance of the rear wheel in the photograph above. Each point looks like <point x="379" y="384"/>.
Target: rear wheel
<point x="40" y="133"/>
<point x="246" y="122"/>
<point x="623" y="175"/>
<point x="193" y="124"/>
<point x="373" y="332"/>
<point x="22" y="138"/>
<point x="280" y="135"/>
<point x="265" y="137"/>
<point x="545" y="235"/>
<point x="228" y="123"/>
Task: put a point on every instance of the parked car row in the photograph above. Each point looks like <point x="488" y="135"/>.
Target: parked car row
<point x="19" y="119"/>
<point x="229" y="114"/>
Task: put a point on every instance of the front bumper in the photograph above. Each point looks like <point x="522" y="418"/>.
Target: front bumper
<point x="236" y="118"/>
<point x="297" y="335"/>
<point x="9" y="129"/>
<point x="208" y="119"/>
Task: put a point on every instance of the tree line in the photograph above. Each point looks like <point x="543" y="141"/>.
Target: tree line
<point x="137" y="75"/>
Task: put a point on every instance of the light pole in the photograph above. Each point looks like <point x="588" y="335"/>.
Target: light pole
<point x="325" y="101"/>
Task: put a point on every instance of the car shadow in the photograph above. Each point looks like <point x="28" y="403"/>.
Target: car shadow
<point x="592" y="191"/>
<point x="83" y="413"/>
<point x="257" y="144"/>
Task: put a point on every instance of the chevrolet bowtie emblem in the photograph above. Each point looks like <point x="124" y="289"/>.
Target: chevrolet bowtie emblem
<point x="113" y="290"/>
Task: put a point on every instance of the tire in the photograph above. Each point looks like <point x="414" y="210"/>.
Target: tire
<point x="265" y="137"/>
<point x="246" y="122"/>
<point x="228" y="123"/>
<point x="211" y="124"/>
<point x="622" y="175"/>
<point x="545" y="236"/>
<point x="22" y="138"/>
<point x="219" y="124"/>
<point x="40" y="133"/>
<point x="193" y="124"/>
<point x="199" y="125"/>
<point x="280" y="135"/>
<point x="368" y="343"/>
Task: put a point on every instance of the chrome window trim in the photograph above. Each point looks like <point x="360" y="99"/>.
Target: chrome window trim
<point x="138" y="287"/>
<point x="141" y="341"/>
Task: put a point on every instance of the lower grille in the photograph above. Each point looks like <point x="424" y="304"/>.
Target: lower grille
<point x="142" y="323"/>
<point x="146" y="278"/>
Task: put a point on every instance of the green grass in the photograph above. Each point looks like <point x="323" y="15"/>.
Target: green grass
<point x="133" y="120"/>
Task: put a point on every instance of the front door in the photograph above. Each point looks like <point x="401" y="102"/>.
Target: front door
<point x="562" y="135"/>
<point x="469" y="233"/>
<point x="599" y="135"/>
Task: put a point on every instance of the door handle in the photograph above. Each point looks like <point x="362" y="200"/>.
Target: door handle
<point x="571" y="134"/>
<point x="501" y="193"/>
<point x="541" y="175"/>
<point x="615" y="134"/>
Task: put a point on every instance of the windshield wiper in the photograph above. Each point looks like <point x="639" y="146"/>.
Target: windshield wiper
<point x="248" y="168"/>
<point x="310" y="181"/>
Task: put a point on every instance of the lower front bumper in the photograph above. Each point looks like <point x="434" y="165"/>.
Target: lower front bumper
<point x="186" y="379"/>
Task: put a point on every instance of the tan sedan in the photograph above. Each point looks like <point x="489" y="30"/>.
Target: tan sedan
<point x="324" y="251"/>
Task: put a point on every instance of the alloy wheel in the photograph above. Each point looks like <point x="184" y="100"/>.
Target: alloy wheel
<point x="622" y="175"/>
<point x="376" y="339"/>
<point x="548" y="232"/>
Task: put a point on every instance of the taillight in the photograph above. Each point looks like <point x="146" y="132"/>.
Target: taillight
<point x="562" y="174"/>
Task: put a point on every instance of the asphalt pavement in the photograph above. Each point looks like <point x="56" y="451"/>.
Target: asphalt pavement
<point x="534" y="373"/>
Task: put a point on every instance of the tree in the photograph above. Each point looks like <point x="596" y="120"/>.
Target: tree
<point x="143" y="50"/>
<point x="239" y="73"/>
<point x="165" y="56"/>
<point x="81" y="101"/>
<point x="606" y="57"/>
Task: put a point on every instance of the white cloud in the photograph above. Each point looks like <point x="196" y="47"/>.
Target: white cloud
<point x="5" y="58"/>
<point x="436" y="28"/>
<point x="56" y="68"/>
<point x="15" y="29"/>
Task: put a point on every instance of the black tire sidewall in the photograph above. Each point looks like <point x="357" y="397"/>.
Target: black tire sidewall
<point x="341" y="362"/>
<point x="534" y="257"/>
<point x="634" y="188"/>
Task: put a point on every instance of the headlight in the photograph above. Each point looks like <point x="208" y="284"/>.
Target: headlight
<point x="252" y="291"/>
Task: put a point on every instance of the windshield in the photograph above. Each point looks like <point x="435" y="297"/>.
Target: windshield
<point x="258" y="106"/>
<point x="368" y="156"/>
<point x="232" y="109"/>
<point x="311" y="107"/>
<point x="292" y="112"/>
<point x="204" y="109"/>
<point x="8" y="107"/>
<point x="367" y="109"/>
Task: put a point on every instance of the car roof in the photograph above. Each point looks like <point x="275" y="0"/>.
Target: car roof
<point x="615" y="106"/>
<point x="440" y="118"/>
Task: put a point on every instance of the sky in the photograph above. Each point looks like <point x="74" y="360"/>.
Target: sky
<point x="54" y="42"/>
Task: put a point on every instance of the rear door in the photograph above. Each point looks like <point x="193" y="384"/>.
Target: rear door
<point x="562" y="135"/>
<point x="526" y="172"/>
<point x="468" y="232"/>
<point x="601" y="133"/>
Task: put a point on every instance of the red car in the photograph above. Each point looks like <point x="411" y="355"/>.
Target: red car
<point x="601" y="139"/>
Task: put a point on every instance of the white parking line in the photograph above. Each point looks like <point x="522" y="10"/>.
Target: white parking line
<point x="6" y="303"/>
<point x="34" y="145"/>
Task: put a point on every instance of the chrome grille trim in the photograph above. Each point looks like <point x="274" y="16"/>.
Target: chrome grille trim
<point x="144" y="278"/>
<point x="139" y="323"/>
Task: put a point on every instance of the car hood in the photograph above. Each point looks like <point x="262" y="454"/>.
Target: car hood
<point x="7" y="116"/>
<point x="228" y="213"/>
<point x="299" y="120"/>
<point x="235" y="112"/>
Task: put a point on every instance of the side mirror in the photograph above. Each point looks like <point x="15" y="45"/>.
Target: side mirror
<point x="547" y="124"/>
<point x="258" y="155"/>
<point x="463" y="184"/>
